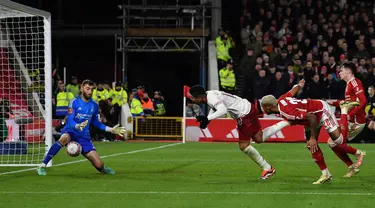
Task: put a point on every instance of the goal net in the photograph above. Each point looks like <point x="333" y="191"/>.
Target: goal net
<point x="25" y="85"/>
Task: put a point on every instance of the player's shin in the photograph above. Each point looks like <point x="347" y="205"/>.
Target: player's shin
<point x="52" y="152"/>
<point x="256" y="157"/>
<point x="339" y="152"/>
<point x="271" y="130"/>
<point x="319" y="160"/>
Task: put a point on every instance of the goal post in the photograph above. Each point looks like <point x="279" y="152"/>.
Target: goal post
<point x="25" y="84"/>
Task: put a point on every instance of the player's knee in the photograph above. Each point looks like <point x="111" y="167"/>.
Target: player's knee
<point x="258" y="138"/>
<point x="243" y="145"/>
<point x="330" y="143"/>
<point x="64" y="139"/>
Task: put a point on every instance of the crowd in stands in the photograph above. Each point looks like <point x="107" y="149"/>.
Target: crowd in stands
<point x="284" y="41"/>
<point x="110" y="99"/>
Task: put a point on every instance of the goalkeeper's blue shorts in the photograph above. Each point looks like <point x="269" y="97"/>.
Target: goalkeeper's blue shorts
<point x="86" y="144"/>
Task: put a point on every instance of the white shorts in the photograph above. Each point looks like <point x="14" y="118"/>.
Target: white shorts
<point x="328" y="119"/>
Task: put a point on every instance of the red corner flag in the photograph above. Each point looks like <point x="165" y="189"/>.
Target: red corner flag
<point x="186" y="91"/>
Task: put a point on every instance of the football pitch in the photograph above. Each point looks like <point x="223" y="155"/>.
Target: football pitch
<point x="157" y="174"/>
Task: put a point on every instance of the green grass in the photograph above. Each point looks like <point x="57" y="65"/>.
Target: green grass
<point x="191" y="175"/>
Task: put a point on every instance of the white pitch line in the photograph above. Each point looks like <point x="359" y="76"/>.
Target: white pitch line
<point x="189" y="193"/>
<point x="105" y="156"/>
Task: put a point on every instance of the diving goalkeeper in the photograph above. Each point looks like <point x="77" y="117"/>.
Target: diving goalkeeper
<point x="83" y="111"/>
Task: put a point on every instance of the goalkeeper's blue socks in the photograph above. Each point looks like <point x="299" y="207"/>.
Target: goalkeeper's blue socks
<point x="52" y="152"/>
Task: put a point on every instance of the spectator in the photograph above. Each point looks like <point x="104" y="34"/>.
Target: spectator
<point x="227" y="78"/>
<point x="119" y="97"/>
<point x="370" y="108"/>
<point x="290" y="77"/>
<point x="136" y="105"/>
<point x="316" y="88"/>
<point x="331" y="87"/>
<point x="192" y="110"/>
<point x="261" y="84"/>
<point x="245" y="36"/>
<point x="159" y="104"/>
<point x="99" y="93"/>
<point x="62" y="99"/>
<point x="147" y="105"/>
<point x="248" y="63"/>
<point x="278" y="85"/>
<point x="74" y="87"/>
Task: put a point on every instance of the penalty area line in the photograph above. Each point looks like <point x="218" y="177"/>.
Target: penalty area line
<point x="187" y="193"/>
<point x="105" y="156"/>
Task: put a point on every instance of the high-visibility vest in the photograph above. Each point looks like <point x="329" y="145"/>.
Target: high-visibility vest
<point x="62" y="103"/>
<point x="118" y="97"/>
<point x="227" y="78"/>
<point x="149" y="105"/>
<point x="159" y="108"/>
<point x="73" y="89"/>
<point x="136" y="107"/>
<point x="100" y="95"/>
<point x="222" y="52"/>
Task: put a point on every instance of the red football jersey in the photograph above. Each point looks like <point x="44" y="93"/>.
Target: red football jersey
<point x="296" y="109"/>
<point x="354" y="91"/>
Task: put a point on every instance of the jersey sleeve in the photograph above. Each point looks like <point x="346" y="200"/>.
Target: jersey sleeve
<point x="71" y="113"/>
<point x="290" y="113"/>
<point x="95" y="119"/>
<point x="358" y="90"/>
<point x="212" y="100"/>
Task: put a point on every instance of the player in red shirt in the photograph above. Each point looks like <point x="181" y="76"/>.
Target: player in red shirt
<point x="354" y="91"/>
<point x="312" y="114"/>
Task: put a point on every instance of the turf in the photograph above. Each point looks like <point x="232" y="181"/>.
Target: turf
<point x="191" y="175"/>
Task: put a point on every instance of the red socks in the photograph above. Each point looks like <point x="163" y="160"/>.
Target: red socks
<point x="342" y="155"/>
<point x="319" y="159"/>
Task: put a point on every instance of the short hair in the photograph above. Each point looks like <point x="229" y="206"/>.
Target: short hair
<point x="88" y="82"/>
<point x="351" y="66"/>
<point x="197" y="91"/>
<point x="371" y="86"/>
<point x="268" y="100"/>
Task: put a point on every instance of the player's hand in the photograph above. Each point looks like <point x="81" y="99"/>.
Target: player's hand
<point x="312" y="144"/>
<point x="82" y="125"/>
<point x="118" y="130"/>
<point x="301" y="83"/>
<point x="203" y="120"/>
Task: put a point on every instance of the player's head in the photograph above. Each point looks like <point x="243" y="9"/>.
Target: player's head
<point x="347" y="71"/>
<point x="198" y="94"/>
<point x="87" y="87"/>
<point x="371" y="90"/>
<point x="268" y="103"/>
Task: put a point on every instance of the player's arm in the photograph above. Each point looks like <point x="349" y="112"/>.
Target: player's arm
<point x="296" y="88"/>
<point x="313" y="141"/>
<point x="71" y="114"/>
<point x="360" y="93"/>
<point x="221" y="110"/>
<point x="96" y="123"/>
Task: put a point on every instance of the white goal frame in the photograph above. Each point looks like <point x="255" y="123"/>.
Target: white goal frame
<point x="19" y="10"/>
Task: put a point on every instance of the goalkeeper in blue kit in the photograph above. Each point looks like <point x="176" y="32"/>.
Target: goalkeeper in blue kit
<point x="83" y="111"/>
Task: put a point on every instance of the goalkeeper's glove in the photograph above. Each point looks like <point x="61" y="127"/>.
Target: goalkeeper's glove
<point x="118" y="130"/>
<point x="82" y="125"/>
<point x="203" y="120"/>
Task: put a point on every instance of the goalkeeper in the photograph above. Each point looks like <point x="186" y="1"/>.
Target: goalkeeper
<point x="82" y="112"/>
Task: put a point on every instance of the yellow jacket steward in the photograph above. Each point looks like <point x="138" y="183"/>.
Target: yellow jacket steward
<point x="227" y="78"/>
<point x="229" y="39"/>
<point x="136" y="107"/>
<point x="98" y="95"/>
<point x="222" y="52"/>
<point x="62" y="103"/>
<point x="73" y="89"/>
<point x="118" y="97"/>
